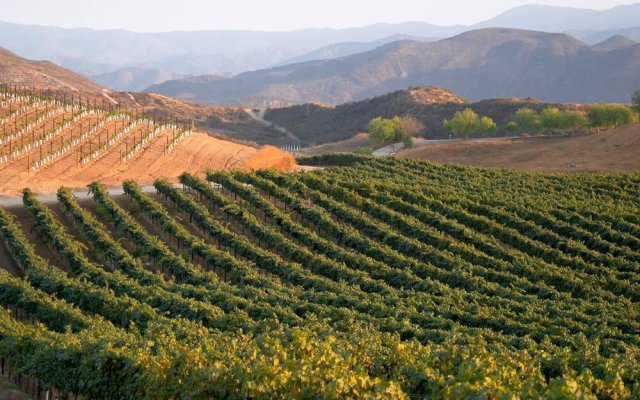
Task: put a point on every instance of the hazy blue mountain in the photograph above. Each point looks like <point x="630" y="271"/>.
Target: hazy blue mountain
<point x="132" y="79"/>
<point x="486" y="63"/>
<point x="337" y="50"/>
<point x="595" y="37"/>
<point x="615" y="42"/>
<point x="94" y="52"/>
<point x="562" y="19"/>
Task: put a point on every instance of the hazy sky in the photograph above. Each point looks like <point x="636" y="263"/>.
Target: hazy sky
<point x="272" y="15"/>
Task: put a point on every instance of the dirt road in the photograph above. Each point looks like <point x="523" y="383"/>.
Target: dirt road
<point x="259" y="116"/>
<point x="13" y="201"/>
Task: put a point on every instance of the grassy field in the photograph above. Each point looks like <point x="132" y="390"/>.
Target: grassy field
<point x="386" y="278"/>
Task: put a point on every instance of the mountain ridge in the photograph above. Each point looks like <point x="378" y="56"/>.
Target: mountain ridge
<point x="485" y="63"/>
<point x="43" y="75"/>
<point x="94" y="52"/>
<point x="561" y="19"/>
<point x="615" y="42"/>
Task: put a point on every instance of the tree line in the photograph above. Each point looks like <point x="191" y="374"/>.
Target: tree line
<point x="551" y="120"/>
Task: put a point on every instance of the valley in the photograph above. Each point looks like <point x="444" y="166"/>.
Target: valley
<point x="319" y="200"/>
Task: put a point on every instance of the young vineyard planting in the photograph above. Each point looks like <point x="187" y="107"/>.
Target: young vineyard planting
<point x="37" y="132"/>
<point x="383" y="278"/>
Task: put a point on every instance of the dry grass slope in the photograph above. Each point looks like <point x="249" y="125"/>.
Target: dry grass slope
<point x="613" y="151"/>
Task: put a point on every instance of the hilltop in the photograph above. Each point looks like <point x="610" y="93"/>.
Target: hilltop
<point x="43" y="75"/>
<point x="615" y="42"/>
<point x="316" y="124"/>
<point x="132" y="78"/>
<point x="480" y="64"/>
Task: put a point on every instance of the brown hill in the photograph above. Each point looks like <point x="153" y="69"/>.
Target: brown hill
<point x="480" y="64"/>
<point x="612" y="151"/>
<point x="316" y="124"/>
<point x="432" y="95"/>
<point x="231" y="123"/>
<point x="43" y="75"/>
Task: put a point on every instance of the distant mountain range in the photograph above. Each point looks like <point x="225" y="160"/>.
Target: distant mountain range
<point x="338" y="50"/>
<point x="124" y="60"/>
<point x="96" y="52"/>
<point x="562" y="19"/>
<point x="480" y="64"/>
<point x="593" y="37"/>
<point x="133" y="79"/>
<point x="307" y="124"/>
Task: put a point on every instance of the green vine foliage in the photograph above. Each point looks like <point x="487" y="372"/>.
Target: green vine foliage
<point x="385" y="278"/>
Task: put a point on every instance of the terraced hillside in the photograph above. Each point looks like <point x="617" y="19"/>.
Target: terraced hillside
<point x="387" y="278"/>
<point x="46" y="142"/>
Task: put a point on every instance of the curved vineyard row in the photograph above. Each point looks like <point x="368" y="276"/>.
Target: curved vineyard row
<point x="384" y="279"/>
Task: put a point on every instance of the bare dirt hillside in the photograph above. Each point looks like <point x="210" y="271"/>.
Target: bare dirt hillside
<point x="433" y="95"/>
<point x="42" y="75"/>
<point x="612" y="151"/>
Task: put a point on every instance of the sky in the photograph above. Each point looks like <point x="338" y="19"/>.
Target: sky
<point x="268" y="15"/>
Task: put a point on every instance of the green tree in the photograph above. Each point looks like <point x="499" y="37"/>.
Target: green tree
<point x="635" y="100"/>
<point x="512" y="127"/>
<point x="611" y="115"/>
<point x="527" y="120"/>
<point x="467" y="121"/>
<point x="487" y="126"/>
<point x="381" y="130"/>
<point x="396" y="129"/>
<point x="463" y="123"/>
<point x="572" y="120"/>
<point x="551" y="119"/>
<point x="407" y="141"/>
